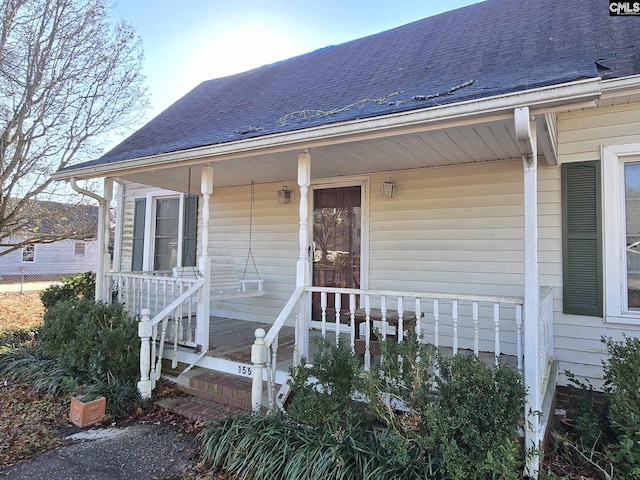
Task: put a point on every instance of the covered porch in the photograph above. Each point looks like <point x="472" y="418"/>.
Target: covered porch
<point x="467" y="281"/>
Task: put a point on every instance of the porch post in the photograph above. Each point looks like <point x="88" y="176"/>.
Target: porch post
<point x="526" y="135"/>
<point x="204" y="263"/>
<point x="303" y="270"/>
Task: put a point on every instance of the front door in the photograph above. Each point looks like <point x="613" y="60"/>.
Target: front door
<point x="336" y="242"/>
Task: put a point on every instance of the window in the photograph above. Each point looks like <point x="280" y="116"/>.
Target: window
<point x="621" y="175"/>
<point x="165" y="252"/>
<point x="28" y="254"/>
<point x="582" y="239"/>
<point x="164" y="232"/>
<point x="79" y="249"/>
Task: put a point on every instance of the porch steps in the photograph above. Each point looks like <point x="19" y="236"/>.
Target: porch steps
<point x="222" y="388"/>
<point x="198" y="409"/>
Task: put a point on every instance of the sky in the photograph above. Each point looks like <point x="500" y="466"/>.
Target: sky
<point x="189" y="41"/>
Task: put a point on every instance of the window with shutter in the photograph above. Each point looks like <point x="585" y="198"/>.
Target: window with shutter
<point x="582" y="239"/>
<point x="168" y="238"/>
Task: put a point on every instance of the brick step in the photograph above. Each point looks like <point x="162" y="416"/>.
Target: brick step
<point x="198" y="409"/>
<point x="219" y="387"/>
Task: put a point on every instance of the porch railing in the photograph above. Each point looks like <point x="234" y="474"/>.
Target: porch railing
<point x="450" y="322"/>
<point x="168" y="307"/>
<point x="152" y="290"/>
<point x="171" y="324"/>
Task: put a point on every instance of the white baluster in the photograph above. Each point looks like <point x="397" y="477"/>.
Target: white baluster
<point x="297" y="334"/>
<point x="367" y="333"/>
<point x="176" y="336"/>
<point x="258" y="358"/>
<point x="271" y="371"/>
<point x="454" y="317"/>
<point x="436" y="324"/>
<point x="352" y="318"/>
<point x="338" y="307"/>
<point x="496" y="322"/>
<point x="419" y="319"/>
<point x="383" y="310"/>
<point x="519" y="336"/>
<point x="476" y="338"/>
<point x="144" y="332"/>
<point x="400" y="331"/>
<point x="436" y="336"/>
<point x="323" y="309"/>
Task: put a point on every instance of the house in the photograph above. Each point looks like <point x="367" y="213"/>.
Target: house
<point x="472" y="175"/>
<point x="64" y="243"/>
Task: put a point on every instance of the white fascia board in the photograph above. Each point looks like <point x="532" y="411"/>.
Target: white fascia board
<point x="621" y="86"/>
<point x="500" y="107"/>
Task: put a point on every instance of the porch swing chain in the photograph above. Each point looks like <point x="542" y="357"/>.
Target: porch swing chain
<point x="187" y="212"/>
<point x="250" y="253"/>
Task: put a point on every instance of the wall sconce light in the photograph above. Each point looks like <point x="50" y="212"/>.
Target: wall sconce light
<point x="387" y="190"/>
<point x="285" y="195"/>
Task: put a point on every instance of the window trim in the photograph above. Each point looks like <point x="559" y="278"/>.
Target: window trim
<point x="33" y="258"/>
<point x="75" y="249"/>
<point x="614" y="157"/>
<point x="150" y="227"/>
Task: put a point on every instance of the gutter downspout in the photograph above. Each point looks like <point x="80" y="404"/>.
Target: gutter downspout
<point x="103" y="230"/>
<point x="117" y="240"/>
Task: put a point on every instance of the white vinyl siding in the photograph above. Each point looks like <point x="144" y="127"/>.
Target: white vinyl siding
<point x="274" y="242"/>
<point x="52" y="258"/>
<point x="581" y="136"/>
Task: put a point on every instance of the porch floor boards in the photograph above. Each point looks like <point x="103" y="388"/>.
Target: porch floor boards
<point x="231" y="339"/>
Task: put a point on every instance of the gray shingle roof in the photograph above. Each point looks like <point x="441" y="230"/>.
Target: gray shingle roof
<point x="486" y="49"/>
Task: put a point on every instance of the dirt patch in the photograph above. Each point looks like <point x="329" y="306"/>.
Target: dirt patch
<point x="20" y="311"/>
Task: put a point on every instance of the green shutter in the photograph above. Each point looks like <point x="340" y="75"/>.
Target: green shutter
<point x="189" y="231"/>
<point x="137" y="249"/>
<point x="582" y="238"/>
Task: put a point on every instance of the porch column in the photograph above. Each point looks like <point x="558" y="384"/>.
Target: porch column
<point x="526" y="135"/>
<point x="303" y="269"/>
<point x="204" y="263"/>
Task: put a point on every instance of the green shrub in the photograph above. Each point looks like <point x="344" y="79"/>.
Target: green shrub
<point x="456" y="422"/>
<point x="86" y="335"/>
<point x="622" y="384"/>
<point x="324" y="390"/>
<point x="476" y="416"/>
<point x="77" y="287"/>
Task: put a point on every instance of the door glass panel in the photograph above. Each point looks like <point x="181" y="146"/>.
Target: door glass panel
<point x="336" y="242"/>
<point x="632" y="209"/>
<point x="165" y="254"/>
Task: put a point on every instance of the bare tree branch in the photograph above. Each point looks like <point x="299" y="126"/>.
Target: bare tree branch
<point x="67" y="77"/>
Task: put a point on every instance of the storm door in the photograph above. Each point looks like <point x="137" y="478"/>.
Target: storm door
<point x="336" y="242"/>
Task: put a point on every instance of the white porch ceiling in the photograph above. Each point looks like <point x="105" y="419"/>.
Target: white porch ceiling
<point x="475" y="143"/>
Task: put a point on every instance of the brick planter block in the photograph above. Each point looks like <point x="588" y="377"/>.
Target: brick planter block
<point x="84" y="414"/>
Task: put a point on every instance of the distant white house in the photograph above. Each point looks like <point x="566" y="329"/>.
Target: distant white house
<point x="50" y="261"/>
